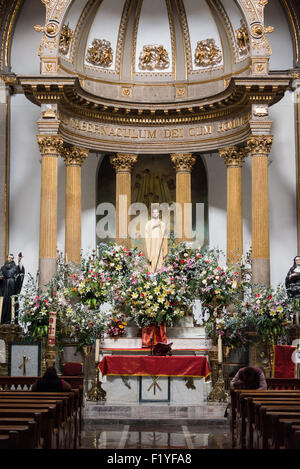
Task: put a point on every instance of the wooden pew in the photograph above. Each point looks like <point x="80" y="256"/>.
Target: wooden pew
<point x="24" y="421"/>
<point x="27" y="434"/>
<point x="254" y="423"/>
<point x="66" y="423"/>
<point x="55" y="405"/>
<point x="237" y="423"/>
<point x="263" y="421"/>
<point x="252" y="408"/>
<point x="46" y="418"/>
<point x="292" y="436"/>
<point x="10" y="440"/>
<point x="72" y="408"/>
<point x="279" y="430"/>
<point x="24" y="383"/>
<point x="238" y="409"/>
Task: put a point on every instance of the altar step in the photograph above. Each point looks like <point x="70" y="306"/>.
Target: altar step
<point x="147" y="413"/>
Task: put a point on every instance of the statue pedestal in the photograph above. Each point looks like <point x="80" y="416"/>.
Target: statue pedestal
<point x="8" y="333"/>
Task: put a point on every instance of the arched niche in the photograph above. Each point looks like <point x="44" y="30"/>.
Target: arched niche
<point x="153" y="180"/>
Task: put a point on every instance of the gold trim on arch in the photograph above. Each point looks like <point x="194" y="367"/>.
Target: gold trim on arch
<point x="288" y="7"/>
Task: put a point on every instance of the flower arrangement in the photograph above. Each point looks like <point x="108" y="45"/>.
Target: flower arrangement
<point x="154" y="299"/>
<point x="115" y="326"/>
<point x="233" y="329"/>
<point x="84" y="325"/>
<point x="267" y="311"/>
<point x="34" y="308"/>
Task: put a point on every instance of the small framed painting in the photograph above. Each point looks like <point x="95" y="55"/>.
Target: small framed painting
<point x="24" y="359"/>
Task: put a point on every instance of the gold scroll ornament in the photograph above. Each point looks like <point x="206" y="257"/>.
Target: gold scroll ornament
<point x="65" y="39"/>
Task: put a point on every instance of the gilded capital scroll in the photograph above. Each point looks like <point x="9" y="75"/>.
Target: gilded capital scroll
<point x="234" y="156"/>
<point x="183" y="162"/>
<point x="74" y="156"/>
<point x="123" y="162"/>
<point x="50" y="145"/>
<point x="260" y="144"/>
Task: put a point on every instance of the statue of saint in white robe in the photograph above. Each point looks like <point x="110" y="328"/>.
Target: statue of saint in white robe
<point x="156" y="243"/>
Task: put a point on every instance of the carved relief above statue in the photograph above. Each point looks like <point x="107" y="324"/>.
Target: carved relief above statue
<point x="207" y="53"/>
<point x="242" y="38"/>
<point x="65" y="39"/>
<point x="100" y="53"/>
<point x="153" y="57"/>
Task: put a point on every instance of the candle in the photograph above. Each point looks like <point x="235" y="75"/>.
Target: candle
<point x="97" y="348"/>
<point x="52" y="328"/>
<point x="297" y="318"/>
<point x="220" y="358"/>
<point x="66" y="258"/>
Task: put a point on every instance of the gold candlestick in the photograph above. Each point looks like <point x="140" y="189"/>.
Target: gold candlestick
<point x="218" y="393"/>
<point x="96" y="393"/>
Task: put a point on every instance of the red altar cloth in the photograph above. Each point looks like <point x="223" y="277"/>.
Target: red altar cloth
<point x="141" y="365"/>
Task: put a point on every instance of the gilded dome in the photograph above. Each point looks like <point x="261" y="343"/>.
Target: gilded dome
<point x="139" y="43"/>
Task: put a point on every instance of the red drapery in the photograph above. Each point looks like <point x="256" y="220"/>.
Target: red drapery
<point x="284" y="366"/>
<point x="143" y="365"/>
<point x="156" y="333"/>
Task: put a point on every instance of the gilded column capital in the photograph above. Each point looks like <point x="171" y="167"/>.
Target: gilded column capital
<point x="260" y="144"/>
<point x="123" y="162"/>
<point x="233" y="156"/>
<point x="74" y="156"/>
<point x="183" y="162"/>
<point x="50" y="145"/>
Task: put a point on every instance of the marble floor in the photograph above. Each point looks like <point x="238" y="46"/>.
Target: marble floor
<point x="155" y="427"/>
<point x="155" y="436"/>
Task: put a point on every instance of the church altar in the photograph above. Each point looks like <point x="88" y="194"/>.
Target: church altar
<point x="130" y="375"/>
<point x="140" y="365"/>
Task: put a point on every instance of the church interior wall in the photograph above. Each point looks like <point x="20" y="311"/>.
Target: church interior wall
<point x="26" y="41"/>
<point x="282" y="189"/>
<point x="280" y="39"/>
<point x="25" y="182"/>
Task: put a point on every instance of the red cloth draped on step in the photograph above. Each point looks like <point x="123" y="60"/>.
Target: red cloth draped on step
<point x="284" y="366"/>
<point x="156" y="333"/>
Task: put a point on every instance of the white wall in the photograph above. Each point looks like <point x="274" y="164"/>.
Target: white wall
<point x="25" y="169"/>
<point x="282" y="183"/>
<point x="24" y="57"/>
<point x="280" y="39"/>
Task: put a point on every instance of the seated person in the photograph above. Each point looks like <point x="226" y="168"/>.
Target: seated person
<point x="249" y="377"/>
<point x="50" y="382"/>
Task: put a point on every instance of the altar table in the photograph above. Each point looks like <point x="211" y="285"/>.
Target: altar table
<point x="141" y="365"/>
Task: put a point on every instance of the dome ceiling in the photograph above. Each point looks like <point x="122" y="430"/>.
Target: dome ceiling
<point x="157" y="41"/>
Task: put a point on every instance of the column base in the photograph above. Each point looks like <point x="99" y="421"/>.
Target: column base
<point x="47" y="269"/>
<point x="261" y="271"/>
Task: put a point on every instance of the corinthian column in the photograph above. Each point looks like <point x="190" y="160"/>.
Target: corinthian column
<point x="183" y="163"/>
<point x="123" y="163"/>
<point x="233" y="158"/>
<point x="50" y="146"/>
<point x="74" y="158"/>
<point x="259" y="146"/>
